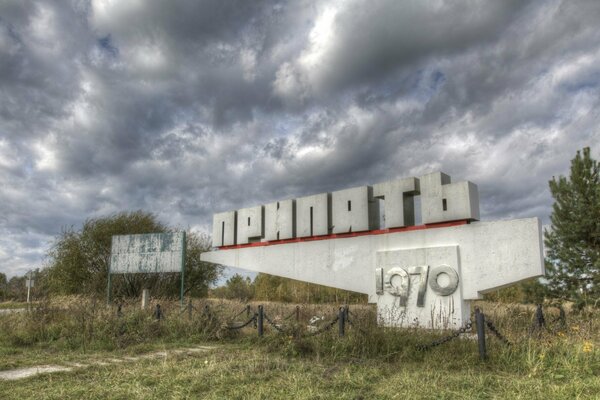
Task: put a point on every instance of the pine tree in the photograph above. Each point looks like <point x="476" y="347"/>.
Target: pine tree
<point x="573" y="242"/>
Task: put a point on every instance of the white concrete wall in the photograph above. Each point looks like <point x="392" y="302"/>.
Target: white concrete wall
<point x="438" y="311"/>
<point x="491" y="255"/>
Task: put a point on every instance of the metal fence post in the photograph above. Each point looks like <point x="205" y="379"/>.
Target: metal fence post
<point x="480" y="320"/>
<point x="158" y="313"/>
<point x="297" y="313"/>
<point x="189" y="309"/>
<point x="341" y="320"/>
<point x="562" y="317"/>
<point x="248" y="311"/>
<point x="260" y="320"/>
<point x="539" y="317"/>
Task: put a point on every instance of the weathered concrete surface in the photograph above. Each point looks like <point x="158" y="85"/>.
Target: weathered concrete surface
<point x="399" y="200"/>
<point x="491" y="255"/>
<point x="280" y="220"/>
<point x="354" y="210"/>
<point x="249" y="224"/>
<point x="312" y="215"/>
<point x="224" y="225"/>
<point x="473" y="257"/>
<point x="350" y="210"/>
<point x="437" y="312"/>
<point x="444" y="201"/>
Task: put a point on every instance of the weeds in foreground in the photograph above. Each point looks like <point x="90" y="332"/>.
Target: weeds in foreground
<point x="557" y="351"/>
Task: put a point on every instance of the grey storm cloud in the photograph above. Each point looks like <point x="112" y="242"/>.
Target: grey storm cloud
<point x="186" y="108"/>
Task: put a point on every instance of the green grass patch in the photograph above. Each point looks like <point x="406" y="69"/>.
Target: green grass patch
<point x="243" y="372"/>
<point x="11" y="305"/>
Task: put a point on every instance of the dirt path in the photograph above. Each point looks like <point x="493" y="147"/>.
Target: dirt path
<point x="22" y="373"/>
<point x="11" y="310"/>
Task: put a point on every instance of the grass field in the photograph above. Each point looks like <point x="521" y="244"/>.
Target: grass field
<point x="560" y="363"/>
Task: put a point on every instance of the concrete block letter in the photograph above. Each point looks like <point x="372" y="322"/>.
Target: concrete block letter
<point x="354" y="210"/>
<point x="399" y="206"/>
<point x="280" y="220"/>
<point x="312" y="215"/>
<point x="224" y="229"/>
<point x="444" y="201"/>
<point x="249" y="225"/>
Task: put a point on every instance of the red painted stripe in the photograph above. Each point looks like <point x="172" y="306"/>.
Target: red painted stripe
<point x="347" y="235"/>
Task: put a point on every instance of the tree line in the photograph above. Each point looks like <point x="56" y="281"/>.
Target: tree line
<point x="267" y="287"/>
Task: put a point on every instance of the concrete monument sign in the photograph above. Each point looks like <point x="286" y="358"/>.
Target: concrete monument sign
<point x="421" y="275"/>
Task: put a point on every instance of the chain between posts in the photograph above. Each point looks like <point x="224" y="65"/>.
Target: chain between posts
<point x="324" y="328"/>
<point x="540" y="322"/>
<point x="210" y="315"/>
<point x="497" y="333"/>
<point x="245" y="310"/>
<point x="273" y="324"/>
<point x="349" y="321"/>
<point x="293" y="314"/>
<point x="311" y="334"/>
<point x="245" y="324"/>
<point x="435" y="343"/>
<point x="213" y="317"/>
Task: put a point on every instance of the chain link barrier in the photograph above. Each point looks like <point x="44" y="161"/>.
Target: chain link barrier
<point x="323" y="329"/>
<point x="245" y="324"/>
<point x="210" y="315"/>
<point x="351" y="323"/>
<point x="273" y="324"/>
<point x="454" y="335"/>
<point x="293" y="314"/>
<point x="540" y="324"/>
<point x="245" y="310"/>
<point x="350" y="318"/>
<point x="319" y="331"/>
<point x="496" y="332"/>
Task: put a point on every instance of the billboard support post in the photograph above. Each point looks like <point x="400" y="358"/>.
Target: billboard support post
<point x="108" y="287"/>
<point x="182" y="268"/>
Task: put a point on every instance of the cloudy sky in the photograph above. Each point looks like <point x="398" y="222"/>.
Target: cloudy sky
<point x="186" y="108"/>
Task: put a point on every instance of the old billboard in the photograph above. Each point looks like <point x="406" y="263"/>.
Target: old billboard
<point x="147" y="253"/>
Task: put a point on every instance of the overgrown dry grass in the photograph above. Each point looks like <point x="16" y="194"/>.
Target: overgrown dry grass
<point x="234" y="372"/>
<point x="368" y="362"/>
